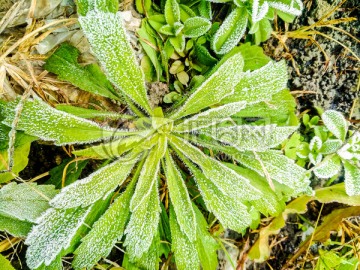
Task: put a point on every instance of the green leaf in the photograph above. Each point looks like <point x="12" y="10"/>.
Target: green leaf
<point x="330" y="146"/>
<point x="84" y="6"/>
<point x="249" y="137"/>
<point x="186" y="12"/>
<point x="63" y="62"/>
<point x="217" y="86"/>
<point x="96" y="186"/>
<point x="336" y="123"/>
<point x="5" y="263"/>
<point x="14" y="226"/>
<point x="254" y="57"/>
<point x="210" y="117"/>
<point x="260" y="84"/>
<point x="105" y="233"/>
<point x="203" y="55"/>
<point x="25" y="201"/>
<point x="143" y="225"/>
<point x="178" y="42"/>
<point x="196" y="26"/>
<point x="110" y="44"/>
<point x="53" y="234"/>
<point x="264" y="31"/>
<point x="172" y="12"/>
<point x="352" y="178"/>
<point x="143" y="6"/>
<point x="39" y="119"/>
<point x="180" y="199"/>
<point x="230" y="31"/>
<point x="157" y="21"/>
<point x="205" y="9"/>
<point x="90" y="113"/>
<point x="184" y="250"/>
<point x="328" y="167"/>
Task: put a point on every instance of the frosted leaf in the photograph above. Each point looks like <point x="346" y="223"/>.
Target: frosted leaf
<point x="149" y="174"/>
<point x="260" y="84"/>
<point x="172" y="12"/>
<point x="180" y="199"/>
<point x="230" y="211"/>
<point x="185" y="252"/>
<point x="248" y="137"/>
<point x="352" y="179"/>
<point x="94" y="187"/>
<point x="328" y="167"/>
<point x="196" y="27"/>
<point x="279" y="167"/>
<point x="315" y="158"/>
<point x="336" y="123"/>
<point x="315" y="143"/>
<point x="230" y="31"/>
<point x="143" y="225"/>
<point x="259" y="10"/>
<point x="25" y="201"/>
<point x="111" y="46"/>
<point x="295" y="7"/>
<point x="14" y="226"/>
<point x="210" y="117"/>
<point x="224" y="178"/>
<point x="53" y="234"/>
<point x="330" y="146"/>
<point x="220" y="84"/>
<point x="39" y="119"/>
<point x="150" y="259"/>
<point x="105" y="232"/>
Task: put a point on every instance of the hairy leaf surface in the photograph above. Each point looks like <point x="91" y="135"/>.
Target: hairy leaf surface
<point x="336" y="123"/>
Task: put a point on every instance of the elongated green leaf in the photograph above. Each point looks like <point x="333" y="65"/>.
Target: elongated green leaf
<point x="143" y="225"/>
<point x="105" y="232"/>
<point x="248" y="137"/>
<point x="53" y="234"/>
<point x="278" y="167"/>
<point x="5" y="263"/>
<point x="196" y="26"/>
<point x="110" y="44"/>
<point x="90" y="113"/>
<point x="292" y="7"/>
<point x="260" y="84"/>
<point x="336" y="123"/>
<point x="26" y="201"/>
<point x="215" y="88"/>
<point x="352" y="178"/>
<point x="186" y="257"/>
<point x="63" y="62"/>
<point x="96" y="186"/>
<point x="149" y="174"/>
<point x="178" y="42"/>
<point x="84" y="6"/>
<point x="14" y="226"/>
<point x="205" y="9"/>
<point x="230" y="31"/>
<point x="328" y="167"/>
<point x="39" y="119"/>
<point x="180" y="199"/>
<point x="172" y="12"/>
<point x="224" y="178"/>
<point x="150" y="259"/>
<point x="210" y="117"/>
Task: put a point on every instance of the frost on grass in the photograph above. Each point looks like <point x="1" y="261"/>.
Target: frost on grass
<point x="278" y="167"/>
<point x="39" y="119"/>
<point x="25" y="201"/>
<point x="260" y="84"/>
<point x="336" y="123"/>
<point x="180" y="199"/>
<point x="210" y="117"/>
<point x="111" y="46"/>
<point x="247" y="137"/>
<point x="220" y="84"/>
<point x="352" y="179"/>
<point x="186" y="257"/>
<point x="143" y="225"/>
<point x="230" y="31"/>
<point x="94" y="187"/>
<point x="53" y="234"/>
<point x="224" y="178"/>
<point x="105" y="233"/>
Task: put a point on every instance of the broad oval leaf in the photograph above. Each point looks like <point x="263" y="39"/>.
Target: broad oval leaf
<point x="196" y="26"/>
<point x="336" y="123"/>
<point x="230" y="31"/>
<point x="111" y="46"/>
<point x="352" y="178"/>
<point x="328" y="167"/>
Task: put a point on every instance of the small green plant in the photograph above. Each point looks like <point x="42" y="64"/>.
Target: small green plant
<point x="121" y="200"/>
<point x="256" y="14"/>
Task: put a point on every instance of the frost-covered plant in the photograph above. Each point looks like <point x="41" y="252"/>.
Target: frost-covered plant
<point x="121" y="200"/>
<point x="256" y="14"/>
